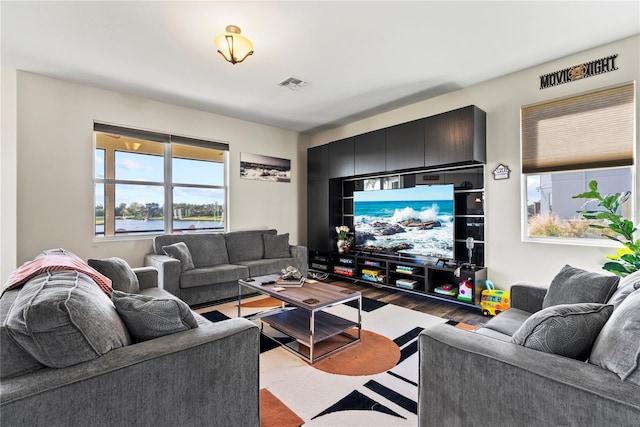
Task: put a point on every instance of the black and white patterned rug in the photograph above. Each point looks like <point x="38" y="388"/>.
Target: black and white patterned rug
<point x="324" y="399"/>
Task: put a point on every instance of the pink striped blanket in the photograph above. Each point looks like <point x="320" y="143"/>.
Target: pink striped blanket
<point x="55" y="263"/>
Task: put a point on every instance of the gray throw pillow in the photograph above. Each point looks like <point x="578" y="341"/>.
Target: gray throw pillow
<point x="625" y="287"/>
<point x="617" y="348"/>
<point x="568" y="329"/>
<point x="276" y="246"/>
<point x="122" y="276"/>
<point x="63" y="318"/>
<point x="181" y="252"/>
<point x="147" y="317"/>
<point x="573" y="285"/>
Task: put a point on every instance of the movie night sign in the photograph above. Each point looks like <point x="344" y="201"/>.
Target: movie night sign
<point x="578" y="72"/>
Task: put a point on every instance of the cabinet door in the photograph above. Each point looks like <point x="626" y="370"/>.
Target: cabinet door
<point x="341" y="158"/>
<point x="370" y="152"/>
<point x="318" y="198"/>
<point x="455" y="137"/>
<point x="405" y="145"/>
<point x="318" y="163"/>
<point x="318" y="236"/>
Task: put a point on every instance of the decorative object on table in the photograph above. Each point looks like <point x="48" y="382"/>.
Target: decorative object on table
<point x="627" y="259"/>
<point x="264" y="168"/>
<point x="290" y="276"/>
<point x="342" y="231"/>
<point x="290" y="273"/>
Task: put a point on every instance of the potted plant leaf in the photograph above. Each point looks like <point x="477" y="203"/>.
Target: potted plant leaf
<point x="615" y="227"/>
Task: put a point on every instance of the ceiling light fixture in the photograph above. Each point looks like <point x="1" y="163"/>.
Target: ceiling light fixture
<point x="233" y="46"/>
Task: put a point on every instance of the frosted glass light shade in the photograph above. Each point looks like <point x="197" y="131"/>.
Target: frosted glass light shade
<point x="233" y="46"/>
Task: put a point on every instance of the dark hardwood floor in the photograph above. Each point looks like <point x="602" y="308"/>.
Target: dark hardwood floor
<point x="447" y="310"/>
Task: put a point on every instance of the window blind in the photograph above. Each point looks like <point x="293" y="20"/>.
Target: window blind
<point x="587" y="131"/>
<point x="156" y="136"/>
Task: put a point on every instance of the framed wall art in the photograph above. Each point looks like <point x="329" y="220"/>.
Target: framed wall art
<point x="264" y="168"/>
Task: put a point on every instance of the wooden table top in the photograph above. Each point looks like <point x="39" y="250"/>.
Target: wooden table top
<point x="313" y="295"/>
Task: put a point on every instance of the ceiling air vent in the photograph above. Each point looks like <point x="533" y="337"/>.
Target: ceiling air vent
<point x="293" y="83"/>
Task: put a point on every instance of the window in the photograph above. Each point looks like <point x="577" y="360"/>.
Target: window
<point x="566" y="143"/>
<point x="138" y="173"/>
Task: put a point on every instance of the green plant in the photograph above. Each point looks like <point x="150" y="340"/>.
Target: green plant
<point x="627" y="259"/>
<point x="342" y="231"/>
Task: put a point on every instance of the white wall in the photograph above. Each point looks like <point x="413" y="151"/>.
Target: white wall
<point x="507" y="257"/>
<point x="55" y="166"/>
<point x="8" y="174"/>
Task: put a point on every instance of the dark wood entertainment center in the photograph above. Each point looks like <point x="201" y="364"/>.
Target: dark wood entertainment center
<point x="448" y="148"/>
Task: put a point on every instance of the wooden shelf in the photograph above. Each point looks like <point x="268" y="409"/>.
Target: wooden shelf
<point x="295" y="323"/>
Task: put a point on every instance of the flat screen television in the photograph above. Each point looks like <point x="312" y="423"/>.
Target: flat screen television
<point x="406" y="221"/>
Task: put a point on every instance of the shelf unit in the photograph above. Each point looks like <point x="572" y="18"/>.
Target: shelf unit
<point x="344" y="265"/>
<point x="408" y="275"/>
<point x="319" y="262"/>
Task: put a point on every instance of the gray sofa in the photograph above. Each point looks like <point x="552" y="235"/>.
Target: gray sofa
<point x="486" y="378"/>
<point x="205" y="376"/>
<point x="219" y="260"/>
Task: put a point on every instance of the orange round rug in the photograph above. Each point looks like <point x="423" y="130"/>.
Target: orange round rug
<point x="373" y="354"/>
<point x="263" y="302"/>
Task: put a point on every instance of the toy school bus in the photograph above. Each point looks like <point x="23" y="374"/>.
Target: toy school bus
<point x="493" y="300"/>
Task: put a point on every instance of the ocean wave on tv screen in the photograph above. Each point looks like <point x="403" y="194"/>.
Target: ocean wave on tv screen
<point x="424" y="228"/>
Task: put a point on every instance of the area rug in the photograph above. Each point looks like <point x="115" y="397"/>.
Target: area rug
<point x="274" y="413"/>
<point x="383" y="394"/>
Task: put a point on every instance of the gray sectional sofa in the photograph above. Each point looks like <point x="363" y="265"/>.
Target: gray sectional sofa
<point x="206" y="374"/>
<point x="213" y="262"/>
<point x="558" y="357"/>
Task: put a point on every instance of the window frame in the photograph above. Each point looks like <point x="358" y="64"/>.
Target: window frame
<point x="577" y="241"/>
<point x="168" y="141"/>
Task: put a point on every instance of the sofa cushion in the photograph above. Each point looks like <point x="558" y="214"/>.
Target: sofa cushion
<point x="625" y="287"/>
<point x="15" y="360"/>
<point x="276" y="246"/>
<point x="617" y="347"/>
<point x="246" y="245"/>
<point x="206" y="249"/>
<point x="508" y="322"/>
<point x="181" y="252"/>
<point x="122" y="276"/>
<point x="63" y="318"/>
<point x="150" y="317"/>
<point x="205" y="276"/>
<point x="261" y="267"/>
<point x="567" y="329"/>
<point x="493" y="334"/>
<point x="573" y="285"/>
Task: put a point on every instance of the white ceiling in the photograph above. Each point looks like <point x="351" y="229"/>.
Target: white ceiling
<point x="360" y="58"/>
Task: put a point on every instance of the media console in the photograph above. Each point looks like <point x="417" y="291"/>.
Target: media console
<point x="406" y="274"/>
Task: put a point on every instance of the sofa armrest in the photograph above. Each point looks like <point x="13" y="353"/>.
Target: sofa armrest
<point x="147" y="277"/>
<point x="168" y="272"/>
<point x="469" y="379"/>
<point x="301" y="254"/>
<point x="205" y="376"/>
<point x="527" y="296"/>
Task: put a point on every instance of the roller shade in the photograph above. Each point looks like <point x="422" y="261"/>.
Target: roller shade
<point x="158" y="137"/>
<point x="591" y="130"/>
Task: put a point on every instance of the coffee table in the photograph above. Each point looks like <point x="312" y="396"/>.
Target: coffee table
<point x="302" y="315"/>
